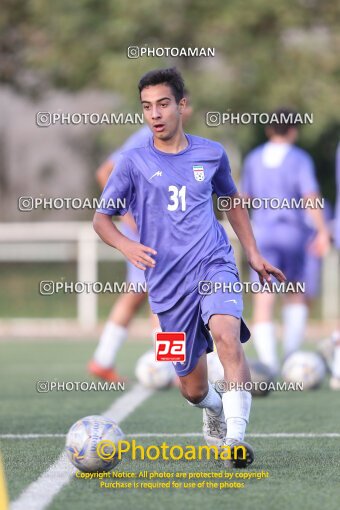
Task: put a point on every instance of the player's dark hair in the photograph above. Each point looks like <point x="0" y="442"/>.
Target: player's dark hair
<point x="170" y="77"/>
<point x="285" y="121"/>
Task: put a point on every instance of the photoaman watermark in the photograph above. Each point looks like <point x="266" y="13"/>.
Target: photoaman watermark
<point x="107" y="450"/>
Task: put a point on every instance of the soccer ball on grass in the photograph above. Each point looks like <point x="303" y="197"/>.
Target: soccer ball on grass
<point x="83" y="438"/>
<point x="154" y="374"/>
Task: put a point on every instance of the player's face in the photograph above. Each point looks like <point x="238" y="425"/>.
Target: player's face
<point x="161" y="112"/>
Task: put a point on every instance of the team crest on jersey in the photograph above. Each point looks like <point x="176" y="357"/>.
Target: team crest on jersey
<point x="198" y="172"/>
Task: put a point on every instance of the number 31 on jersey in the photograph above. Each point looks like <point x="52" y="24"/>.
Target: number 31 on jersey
<point x="177" y="197"/>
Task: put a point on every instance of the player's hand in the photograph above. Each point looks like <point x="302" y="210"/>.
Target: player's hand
<point x="321" y="244"/>
<point x="138" y="254"/>
<point x="264" y="269"/>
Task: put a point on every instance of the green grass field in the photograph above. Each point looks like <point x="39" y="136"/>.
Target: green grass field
<point x="303" y="471"/>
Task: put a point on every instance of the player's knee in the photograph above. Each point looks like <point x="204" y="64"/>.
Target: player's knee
<point x="229" y="348"/>
<point x="194" y="395"/>
<point x="229" y="339"/>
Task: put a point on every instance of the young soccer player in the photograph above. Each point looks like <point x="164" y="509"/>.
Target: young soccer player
<point x="168" y="184"/>
<point x="115" y="331"/>
<point x="280" y="170"/>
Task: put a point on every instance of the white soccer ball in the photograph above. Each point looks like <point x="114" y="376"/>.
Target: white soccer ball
<point x="306" y="367"/>
<point x="154" y="374"/>
<point x="215" y="368"/>
<point x="83" y="438"/>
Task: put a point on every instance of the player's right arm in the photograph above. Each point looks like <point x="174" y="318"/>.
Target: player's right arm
<point x="136" y="253"/>
<point x="103" y="173"/>
<point x="115" y="200"/>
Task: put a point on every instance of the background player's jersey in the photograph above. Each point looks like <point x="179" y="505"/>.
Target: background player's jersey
<point x="337" y="210"/>
<point x="135" y="140"/>
<point x="170" y="198"/>
<point x="283" y="172"/>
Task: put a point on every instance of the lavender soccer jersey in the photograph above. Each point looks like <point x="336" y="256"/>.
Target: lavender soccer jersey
<point x="281" y="234"/>
<point x="293" y="178"/>
<point x="170" y="198"/>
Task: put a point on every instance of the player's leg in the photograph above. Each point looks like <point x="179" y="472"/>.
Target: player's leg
<point x="236" y="401"/>
<point x="199" y="392"/>
<point x="294" y="315"/>
<point x="225" y="330"/>
<point x="114" y="335"/>
<point x="295" y="308"/>
<point x="193" y="380"/>
<point x="126" y="307"/>
<point x="224" y="319"/>
<point x="263" y="327"/>
<point x="263" y="330"/>
<point x="196" y="388"/>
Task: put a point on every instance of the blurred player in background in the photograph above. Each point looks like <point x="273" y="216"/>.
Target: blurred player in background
<point x="127" y="305"/>
<point x="335" y="379"/>
<point x="278" y="169"/>
<point x="169" y="185"/>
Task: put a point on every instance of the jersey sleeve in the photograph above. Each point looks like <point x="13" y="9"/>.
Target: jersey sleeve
<point x="119" y="190"/>
<point x="113" y="157"/>
<point x="222" y="182"/>
<point x="307" y="181"/>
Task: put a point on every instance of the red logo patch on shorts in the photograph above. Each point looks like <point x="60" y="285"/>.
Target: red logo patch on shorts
<point x="170" y="346"/>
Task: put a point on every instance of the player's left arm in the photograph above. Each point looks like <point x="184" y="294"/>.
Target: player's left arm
<point x="239" y="220"/>
<point x="321" y="243"/>
<point x="308" y="187"/>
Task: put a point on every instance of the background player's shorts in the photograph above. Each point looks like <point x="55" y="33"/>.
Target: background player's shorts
<point x="192" y="312"/>
<point x="285" y="248"/>
<point x="133" y="274"/>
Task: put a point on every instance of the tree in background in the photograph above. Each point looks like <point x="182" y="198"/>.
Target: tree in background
<point x="267" y="54"/>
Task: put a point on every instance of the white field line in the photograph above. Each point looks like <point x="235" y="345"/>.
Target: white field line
<point x="293" y="435"/>
<point x="39" y="494"/>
